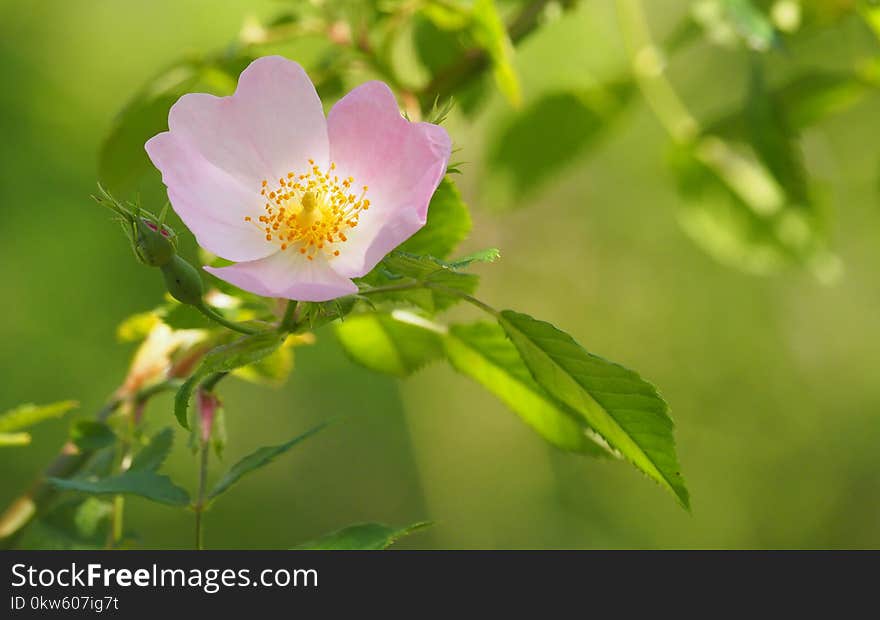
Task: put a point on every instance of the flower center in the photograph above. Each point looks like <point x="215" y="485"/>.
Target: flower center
<point x="310" y="212"/>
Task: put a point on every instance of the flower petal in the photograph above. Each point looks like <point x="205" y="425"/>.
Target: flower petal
<point x="211" y="203"/>
<point x="289" y="275"/>
<point x="401" y="162"/>
<point x="272" y="124"/>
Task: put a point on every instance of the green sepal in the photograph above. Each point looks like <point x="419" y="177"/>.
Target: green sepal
<point x="183" y="281"/>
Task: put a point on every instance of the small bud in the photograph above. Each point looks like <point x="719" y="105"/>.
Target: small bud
<point x="183" y="281"/>
<point x="153" y="243"/>
<point x="208" y="405"/>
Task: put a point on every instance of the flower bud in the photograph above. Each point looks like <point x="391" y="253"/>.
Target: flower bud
<point x="208" y="404"/>
<point x="183" y="281"/>
<point x="153" y="243"/>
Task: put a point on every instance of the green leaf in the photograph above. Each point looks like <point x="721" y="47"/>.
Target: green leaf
<point x="385" y="344"/>
<point x="151" y="456"/>
<point x="182" y="398"/>
<point x="735" y="209"/>
<point x="14" y="439"/>
<point x="25" y="416"/>
<point x="774" y="140"/>
<point x="82" y="523"/>
<point x="89" y="435"/>
<point x="618" y="404"/>
<point x="362" y="537"/>
<point x="489" y="255"/>
<point x="482" y="352"/>
<point x="449" y="222"/>
<point x="541" y="141"/>
<point x="225" y="358"/>
<point x="488" y="31"/>
<point x="271" y="370"/>
<point x="400" y="268"/>
<point x="122" y="162"/>
<point x="142" y="483"/>
<point x="257" y="459"/>
<point x="244" y="351"/>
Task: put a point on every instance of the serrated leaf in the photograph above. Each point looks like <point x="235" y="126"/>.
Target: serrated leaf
<point x="384" y="344"/>
<point x="257" y="459"/>
<point x="271" y="370"/>
<point x="616" y="402"/>
<point x="362" y="537"/>
<point x="489" y="255"/>
<point x="151" y="456"/>
<point x="25" y="416"/>
<point x="90" y="435"/>
<point x="318" y="314"/>
<point x="241" y="352"/>
<point x="400" y="268"/>
<point x="142" y="483"/>
<point x="482" y="352"/>
<point x="449" y="223"/>
<point x="225" y="358"/>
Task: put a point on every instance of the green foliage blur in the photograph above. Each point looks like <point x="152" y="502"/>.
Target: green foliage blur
<point x="735" y="270"/>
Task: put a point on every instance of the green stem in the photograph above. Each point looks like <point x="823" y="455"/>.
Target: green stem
<point x="288" y="321"/>
<point x="429" y="285"/>
<point x="648" y="66"/>
<point x="217" y="318"/>
<point x="200" y="497"/>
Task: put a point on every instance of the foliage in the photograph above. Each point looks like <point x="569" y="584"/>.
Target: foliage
<point x="745" y="194"/>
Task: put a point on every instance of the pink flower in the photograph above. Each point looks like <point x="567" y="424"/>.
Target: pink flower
<point x="301" y="204"/>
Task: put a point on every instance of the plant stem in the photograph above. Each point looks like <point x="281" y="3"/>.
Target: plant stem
<point x="217" y="318"/>
<point x="200" y="497"/>
<point x="429" y="285"/>
<point x="648" y="67"/>
<point x="288" y="321"/>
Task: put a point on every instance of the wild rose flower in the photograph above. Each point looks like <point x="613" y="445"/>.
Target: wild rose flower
<point x="300" y="203"/>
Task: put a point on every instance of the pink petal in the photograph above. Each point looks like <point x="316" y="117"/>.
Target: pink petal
<point x="210" y="202"/>
<point x="289" y="275"/>
<point x="401" y="162"/>
<point x="271" y="125"/>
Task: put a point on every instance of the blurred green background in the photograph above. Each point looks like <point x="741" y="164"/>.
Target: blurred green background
<point x="772" y="380"/>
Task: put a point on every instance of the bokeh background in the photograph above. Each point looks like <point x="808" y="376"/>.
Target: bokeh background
<point x="772" y="380"/>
